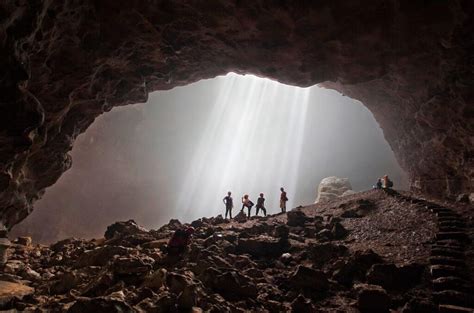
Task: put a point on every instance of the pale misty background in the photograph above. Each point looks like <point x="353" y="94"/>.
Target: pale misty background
<point x="177" y="155"/>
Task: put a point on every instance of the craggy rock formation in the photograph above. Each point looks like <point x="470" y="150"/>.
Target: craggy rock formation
<point x="65" y="62"/>
<point x="293" y="262"/>
<point x="333" y="187"/>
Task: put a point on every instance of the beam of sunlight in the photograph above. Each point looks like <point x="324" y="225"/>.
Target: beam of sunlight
<point x="254" y="134"/>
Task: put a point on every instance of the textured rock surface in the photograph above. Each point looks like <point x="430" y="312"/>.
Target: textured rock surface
<point x="225" y="268"/>
<point x="333" y="187"/>
<point x="64" y="63"/>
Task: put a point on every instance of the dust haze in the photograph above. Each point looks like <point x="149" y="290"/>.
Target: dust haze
<point x="177" y="155"/>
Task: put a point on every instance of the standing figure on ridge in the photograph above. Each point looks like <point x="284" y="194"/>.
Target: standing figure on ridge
<point x="246" y="203"/>
<point x="283" y="200"/>
<point x="261" y="205"/>
<point x="229" y="204"/>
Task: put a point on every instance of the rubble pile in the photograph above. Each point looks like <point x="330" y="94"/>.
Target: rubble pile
<point x="309" y="259"/>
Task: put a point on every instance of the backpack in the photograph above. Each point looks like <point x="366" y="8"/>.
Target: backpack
<point x="390" y="184"/>
<point x="249" y="204"/>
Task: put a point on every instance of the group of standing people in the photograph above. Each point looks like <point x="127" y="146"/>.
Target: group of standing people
<point x="247" y="203"/>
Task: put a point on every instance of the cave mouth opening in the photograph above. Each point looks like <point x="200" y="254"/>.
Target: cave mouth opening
<point x="177" y="155"/>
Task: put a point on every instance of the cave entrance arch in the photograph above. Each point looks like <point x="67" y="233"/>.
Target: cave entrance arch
<point x="177" y="155"/>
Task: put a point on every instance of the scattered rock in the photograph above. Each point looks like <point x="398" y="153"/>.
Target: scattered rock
<point x="372" y="299"/>
<point x="120" y="229"/>
<point x="24" y="241"/>
<point x="100" y="305"/>
<point x="296" y="218"/>
<point x="261" y="246"/>
<point x="389" y="276"/>
<point x="338" y="231"/>
<point x="307" y="278"/>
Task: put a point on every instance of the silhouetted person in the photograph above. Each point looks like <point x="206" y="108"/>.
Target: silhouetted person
<point x="386" y="182"/>
<point x="246" y="203"/>
<point x="261" y="205"/>
<point x="283" y="200"/>
<point x="229" y="204"/>
<point x="378" y="185"/>
<point x="179" y="241"/>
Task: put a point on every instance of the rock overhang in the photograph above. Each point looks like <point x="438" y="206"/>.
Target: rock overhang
<point x="66" y="63"/>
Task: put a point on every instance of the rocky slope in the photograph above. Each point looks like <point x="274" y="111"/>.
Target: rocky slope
<point x="65" y="62"/>
<point x="369" y="252"/>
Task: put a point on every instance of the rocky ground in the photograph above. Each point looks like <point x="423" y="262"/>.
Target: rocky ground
<point x="368" y="252"/>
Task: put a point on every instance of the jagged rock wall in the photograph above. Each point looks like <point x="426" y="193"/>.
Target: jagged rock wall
<point x="66" y="62"/>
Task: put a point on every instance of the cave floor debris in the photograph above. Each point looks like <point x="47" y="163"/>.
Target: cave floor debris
<point x="367" y="252"/>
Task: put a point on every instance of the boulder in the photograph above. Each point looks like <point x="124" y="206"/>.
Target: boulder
<point x="120" y="229"/>
<point x="156" y="279"/>
<point x="372" y="299"/>
<point x="100" y="256"/>
<point x="282" y="231"/>
<point x="261" y="246"/>
<point x="307" y="278"/>
<point x="11" y="290"/>
<point x="24" y="241"/>
<point x="100" y="305"/>
<point x="64" y="283"/>
<point x="356" y="267"/>
<point x="241" y="217"/>
<point x="296" y="218"/>
<point x="302" y="305"/>
<point x="391" y="277"/>
<point x="331" y="188"/>
<point x="132" y="265"/>
<point x="338" y="231"/>
<point x="233" y="285"/>
<point x="325" y="252"/>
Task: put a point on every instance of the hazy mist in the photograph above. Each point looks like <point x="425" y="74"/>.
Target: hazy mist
<point x="177" y="155"/>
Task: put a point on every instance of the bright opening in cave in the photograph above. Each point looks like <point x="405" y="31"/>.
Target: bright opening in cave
<point x="177" y="155"/>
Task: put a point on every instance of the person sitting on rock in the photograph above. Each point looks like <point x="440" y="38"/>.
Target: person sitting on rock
<point x="378" y="185"/>
<point x="246" y="202"/>
<point x="261" y="205"/>
<point x="180" y="241"/>
<point x="229" y="204"/>
<point x="386" y="182"/>
<point x="283" y="200"/>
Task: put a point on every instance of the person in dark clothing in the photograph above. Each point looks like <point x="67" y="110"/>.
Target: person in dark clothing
<point x="261" y="205"/>
<point x="378" y="185"/>
<point x="229" y="204"/>
<point x="246" y="203"/>
<point x="179" y="241"/>
<point x="283" y="200"/>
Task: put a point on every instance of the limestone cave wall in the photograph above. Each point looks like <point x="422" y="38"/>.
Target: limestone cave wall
<point x="66" y="62"/>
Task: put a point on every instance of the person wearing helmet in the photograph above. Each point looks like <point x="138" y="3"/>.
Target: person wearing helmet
<point x="261" y="205"/>
<point x="180" y="240"/>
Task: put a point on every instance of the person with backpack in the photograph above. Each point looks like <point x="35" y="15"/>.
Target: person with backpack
<point x="261" y="205"/>
<point x="283" y="200"/>
<point x="229" y="204"/>
<point x="246" y="202"/>
<point x="180" y="240"/>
